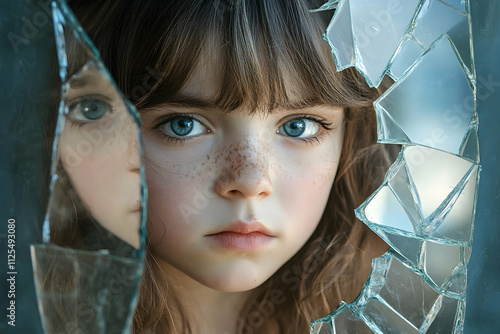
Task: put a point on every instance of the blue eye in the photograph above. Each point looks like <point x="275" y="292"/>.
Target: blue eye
<point x="300" y="128"/>
<point x="182" y="126"/>
<point x="88" y="109"/>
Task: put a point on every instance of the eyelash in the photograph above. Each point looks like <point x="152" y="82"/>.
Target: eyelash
<point x="178" y="140"/>
<point x="74" y="102"/>
<point x="317" y="138"/>
<point x="181" y="140"/>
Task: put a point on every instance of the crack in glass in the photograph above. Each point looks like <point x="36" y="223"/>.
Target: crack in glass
<point x="424" y="210"/>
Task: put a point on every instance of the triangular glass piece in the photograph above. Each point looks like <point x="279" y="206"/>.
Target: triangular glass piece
<point x="378" y="29"/>
<point x="322" y="328"/>
<point x="74" y="48"/>
<point x="448" y="317"/>
<point x="409" y="101"/>
<point x="339" y="36"/>
<point x="346" y="322"/>
<point x="470" y="146"/>
<point x="440" y="260"/>
<point x="384" y="209"/>
<point x="386" y="319"/>
<point x="408" y="54"/>
<point x="402" y="187"/>
<point x="388" y="129"/>
<point x="457" y="223"/>
<point x="402" y="285"/>
<point x="458" y="4"/>
<point x="407" y="246"/>
<point x="434" y="20"/>
<point x="458" y="285"/>
<point x="461" y="38"/>
<point x="435" y="174"/>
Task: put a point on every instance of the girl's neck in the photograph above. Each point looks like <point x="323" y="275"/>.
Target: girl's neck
<point x="209" y="311"/>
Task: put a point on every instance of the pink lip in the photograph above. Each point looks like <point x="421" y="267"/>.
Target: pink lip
<point x="242" y="236"/>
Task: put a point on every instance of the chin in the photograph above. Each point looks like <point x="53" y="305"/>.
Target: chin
<point x="233" y="280"/>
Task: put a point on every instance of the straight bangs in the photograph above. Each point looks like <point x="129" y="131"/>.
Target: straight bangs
<point x="264" y="54"/>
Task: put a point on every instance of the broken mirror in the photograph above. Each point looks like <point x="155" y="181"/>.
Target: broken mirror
<point x="425" y="208"/>
<point x="88" y="268"/>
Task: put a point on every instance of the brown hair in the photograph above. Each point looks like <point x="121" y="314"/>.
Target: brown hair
<point x="265" y="45"/>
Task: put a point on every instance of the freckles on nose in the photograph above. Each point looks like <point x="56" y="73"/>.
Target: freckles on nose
<point x="243" y="158"/>
<point x="244" y="170"/>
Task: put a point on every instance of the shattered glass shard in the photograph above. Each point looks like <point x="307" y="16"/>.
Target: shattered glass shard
<point x="460" y="35"/>
<point x="458" y="4"/>
<point x="470" y="147"/>
<point x="94" y="227"/>
<point x="440" y="260"/>
<point x="408" y="246"/>
<point x="386" y="319"/>
<point x="456" y="223"/>
<point x="346" y="322"/>
<point x="339" y="36"/>
<point x="408" y="54"/>
<point x="388" y="129"/>
<point x="383" y="303"/>
<point x="331" y="4"/>
<point x="83" y="292"/>
<point x="435" y="19"/>
<point x="378" y="28"/>
<point x="435" y="175"/>
<point x="322" y="328"/>
<point x="448" y="317"/>
<point x="447" y="104"/>
<point x="384" y="209"/>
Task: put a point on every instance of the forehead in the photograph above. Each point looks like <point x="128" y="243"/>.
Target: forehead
<point x="205" y="86"/>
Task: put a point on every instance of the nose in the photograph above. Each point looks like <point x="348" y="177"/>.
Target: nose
<point x="246" y="172"/>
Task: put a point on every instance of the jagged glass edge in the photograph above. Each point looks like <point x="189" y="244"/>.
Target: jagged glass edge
<point x="379" y="109"/>
<point x="62" y="12"/>
<point x="370" y="291"/>
<point x="358" y="64"/>
<point x="358" y="60"/>
<point x="331" y="4"/>
<point x="334" y="49"/>
<point x="460" y="313"/>
<point x="399" y="162"/>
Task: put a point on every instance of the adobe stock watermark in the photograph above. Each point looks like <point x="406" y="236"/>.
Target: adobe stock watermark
<point x="31" y="26"/>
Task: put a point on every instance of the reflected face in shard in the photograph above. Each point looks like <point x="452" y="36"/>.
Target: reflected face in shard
<point x="232" y="197"/>
<point x="99" y="151"/>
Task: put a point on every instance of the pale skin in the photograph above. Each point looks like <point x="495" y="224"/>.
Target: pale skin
<point x="98" y="148"/>
<point x="233" y="167"/>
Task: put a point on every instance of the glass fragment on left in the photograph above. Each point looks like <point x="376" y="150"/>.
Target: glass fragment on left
<point x="88" y="269"/>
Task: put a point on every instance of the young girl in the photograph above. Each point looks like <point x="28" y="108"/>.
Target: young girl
<point x="256" y="153"/>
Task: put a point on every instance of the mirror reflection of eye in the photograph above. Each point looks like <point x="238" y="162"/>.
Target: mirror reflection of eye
<point x="88" y="109"/>
<point x="300" y="128"/>
<point x="181" y="126"/>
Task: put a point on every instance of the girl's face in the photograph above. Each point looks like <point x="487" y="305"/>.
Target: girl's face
<point x="233" y="197"/>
